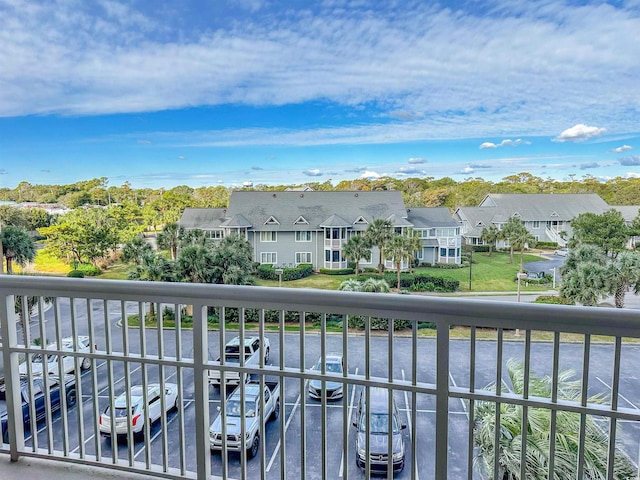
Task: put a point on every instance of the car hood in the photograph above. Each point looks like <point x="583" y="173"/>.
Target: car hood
<point x="233" y="425"/>
<point x="378" y="442"/>
<point x="317" y="384"/>
<point x="36" y="368"/>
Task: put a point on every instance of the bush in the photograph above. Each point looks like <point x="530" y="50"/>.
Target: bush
<point x="359" y="322"/>
<point x="450" y="266"/>
<point x="341" y="271"/>
<point x="75" y="274"/>
<point x="480" y="248"/>
<point x="89" y="270"/>
<point x="547" y="245"/>
<point x="407" y="280"/>
<point x="268" y="272"/>
<point x="553" y="300"/>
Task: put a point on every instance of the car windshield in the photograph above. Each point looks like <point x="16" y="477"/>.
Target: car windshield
<point x="120" y="412"/>
<point x="330" y="366"/>
<point x="379" y="423"/>
<point x="37" y="358"/>
<point x="233" y="408"/>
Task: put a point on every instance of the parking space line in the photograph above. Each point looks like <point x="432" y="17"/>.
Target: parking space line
<point x="351" y="407"/>
<point x="619" y="394"/>
<point x="407" y="410"/>
<point x="464" y="405"/>
<point x="286" y="427"/>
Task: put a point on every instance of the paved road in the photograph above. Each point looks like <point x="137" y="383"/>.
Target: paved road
<point x="299" y="408"/>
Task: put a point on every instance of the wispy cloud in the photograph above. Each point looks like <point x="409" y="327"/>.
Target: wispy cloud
<point x="312" y="173"/>
<point x="504" y="143"/>
<point x="417" y="160"/>
<point x="630" y="161"/>
<point x="370" y="174"/>
<point x="588" y="166"/>
<point x="623" y="148"/>
<point x="255" y="167"/>
<point x="144" y="142"/>
<point x="356" y="170"/>
<point x="480" y="165"/>
<point x="410" y="171"/>
<point x="579" y="133"/>
<point x="454" y="71"/>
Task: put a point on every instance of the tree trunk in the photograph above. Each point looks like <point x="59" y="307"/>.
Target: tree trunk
<point x="510" y="254"/>
<point x="9" y="266"/>
<point x="399" y="266"/>
<point x="621" y="289"/>
<point x="490" y="250"/>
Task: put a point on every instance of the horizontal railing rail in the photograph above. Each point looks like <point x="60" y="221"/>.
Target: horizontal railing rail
<point x="426" y="374"/>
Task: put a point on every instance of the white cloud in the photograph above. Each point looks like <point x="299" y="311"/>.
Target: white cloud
<point x="633" y="175"/>
<point x="467" y="170"/>
<point x="504" y="143"/>
<point x="370" y="174"/>
<point x="467" y="75"/>
<point x="312" y="173"/>
<point x="621" y="149"/>
<point x="417" y="160"/>
<point x="579" y="133"/>
<point x="181" y="157"/>
<point x="410" y="171"/>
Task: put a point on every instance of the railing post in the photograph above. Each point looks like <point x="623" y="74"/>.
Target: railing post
<point x="201" y="391"/>
<point x="442" y="398"/>
<point x="13" y="392"/>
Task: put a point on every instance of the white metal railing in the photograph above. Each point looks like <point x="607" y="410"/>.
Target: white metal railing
<point x="435" y="381"/>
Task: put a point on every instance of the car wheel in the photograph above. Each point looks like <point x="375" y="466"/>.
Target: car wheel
<point x="71" y="397"/>
<point x="276" y="412"/>
<point x="175" y="404"/>
<point x="255" y="446"/>
<point x="86" y="364"/>
<point x="266" y="355"/>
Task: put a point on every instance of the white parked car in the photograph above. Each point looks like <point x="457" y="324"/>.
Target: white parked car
<point x="563" y="252"/>
<point x="334" y="390"/>
<point x="68" y="361"/>
<point x="122" y="426"/>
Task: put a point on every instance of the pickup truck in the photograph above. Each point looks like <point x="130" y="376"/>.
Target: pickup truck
<point x="252" y="417"/>
<point x="38" y="388"/>
<point x="68" y="361"/>
<point x="252" y="352"/>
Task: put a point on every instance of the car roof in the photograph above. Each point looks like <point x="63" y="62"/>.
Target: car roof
<point x="378" y="399"/>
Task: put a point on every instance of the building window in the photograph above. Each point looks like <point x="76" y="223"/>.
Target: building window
<point x="536" y="224"/>
<point x="214" y="234"/>
<point x="336" y="255"/>
<point x="303" y="257"/>
<point x="327" y="255"/>
<point x="268" y="236"/>
<point x="303" y="236"/>
<point x="452" y="252"/>
<point x="269" y="257"/>
<point x="443" y="252"/>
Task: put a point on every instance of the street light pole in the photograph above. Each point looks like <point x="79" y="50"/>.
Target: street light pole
<point x="470" y="266"/>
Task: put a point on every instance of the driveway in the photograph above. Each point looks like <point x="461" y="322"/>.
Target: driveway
<point x="547" y="265"/>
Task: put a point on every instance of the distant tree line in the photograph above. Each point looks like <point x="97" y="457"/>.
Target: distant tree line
<point x="165" y="205"/>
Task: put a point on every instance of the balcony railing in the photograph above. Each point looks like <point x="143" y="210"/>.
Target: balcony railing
<point x="434" y="380"/>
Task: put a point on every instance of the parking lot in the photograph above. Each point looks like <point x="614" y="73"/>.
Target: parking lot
<point x="169" y="446"/>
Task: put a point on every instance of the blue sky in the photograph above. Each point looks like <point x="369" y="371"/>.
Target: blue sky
<point x="220" y="92"/>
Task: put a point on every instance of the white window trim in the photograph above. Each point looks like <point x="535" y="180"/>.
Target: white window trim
<point x="273" y="236"/>
<point x="303" y="231"/>
<point x="263" y="257"/>
<point x="361" y="221"/>
<point x="301" y="220"/>
<point x="308" y="254"/>
<point x="272" y="221"/>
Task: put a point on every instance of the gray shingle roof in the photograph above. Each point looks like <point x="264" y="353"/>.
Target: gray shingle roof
<point x="315" y="207"/>
<point x="629" y="212"/>
<point x="203" y="218"/>
<point x="423" y="217"/>
<point x="335" y="221"/>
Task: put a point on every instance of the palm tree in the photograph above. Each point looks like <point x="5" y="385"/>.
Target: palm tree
<point x="518" y="236"/>
<point x="355" y="249"/>
<point x="153" y="268"/>
<point x="378" y="233"/>
<point x="375" y="285"/>
<point x="169" y="238"/>
<point x="196" y="264"/>
<point x="135" y="250"/>
<point x="415" y="245"/>
<point x="624" y="272"/>
<point x="568" y="437"/>
<point x="232" y="261"/>
<point x="400" y="249"/>
<point x="489" y="235"/>
<point x="17" y="247"/>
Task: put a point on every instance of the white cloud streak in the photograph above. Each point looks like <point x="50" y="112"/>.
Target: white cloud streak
<point x="579" y="133"/>
<point x="453" y="72"/>
<point x="623" y="148"/>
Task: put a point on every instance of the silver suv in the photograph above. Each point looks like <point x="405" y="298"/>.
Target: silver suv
<point x="379" y="416"/>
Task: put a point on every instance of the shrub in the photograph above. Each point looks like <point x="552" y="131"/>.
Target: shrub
<point x="407" y="280"/>
<point x="268" y="272"/>
<point x="89" y="270"/>
<point x="480" y="248"/>
<point x="75" y="274"/>
<point x="553" y="299"/>
<point x="341" y="271"/>
<point x="429" y="325"/>
<point x="359" y="322"/>
<point x="547" y="245"/>
<point x="450" y="266"/>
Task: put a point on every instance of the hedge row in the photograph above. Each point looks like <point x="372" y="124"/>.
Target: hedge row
<point x="341" y="271"/>
<point x="268" y="272"/>
<point x="408" y="279"/>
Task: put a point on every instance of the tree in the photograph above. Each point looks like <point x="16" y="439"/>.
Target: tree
<point x="568" y="433"/>
<point x="232" y="260"/>
<point x="378" y="233"/>
<point x="399" y="248"/>
<point x="608" y="231"/>
<point x="153" y="268"/>
<point x="589" y="274"/>
<point x="414" y="241"/>
<point x="489" y="235"/>
<point x="517" y="235"/>
<point x="195" y="264"/>
<point x="169" y="238"/>
<point x="355" y="249"/>
<point x="371" y="285"/>
<point x="136" y="250"/>
<point x="17" y="246"/>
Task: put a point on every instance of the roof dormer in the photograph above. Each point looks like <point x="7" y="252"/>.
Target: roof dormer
<point x="272" y="221"/>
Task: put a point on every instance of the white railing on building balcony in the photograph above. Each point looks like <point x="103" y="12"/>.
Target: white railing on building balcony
<point x="435" y="381"/>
